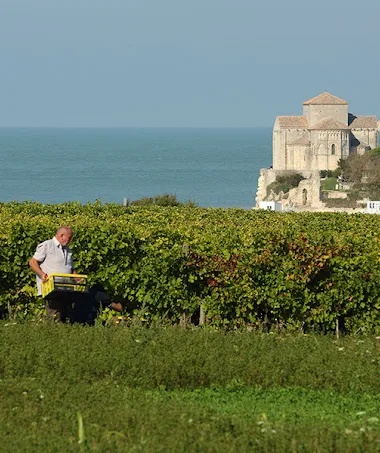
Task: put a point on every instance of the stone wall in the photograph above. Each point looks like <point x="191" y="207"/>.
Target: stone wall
<point x="325" y="156"/>
<point x="367" y="137"/>
<point x="307" y="194"/>
<point x="300" y="149"/>
<point x="317" y="113"/>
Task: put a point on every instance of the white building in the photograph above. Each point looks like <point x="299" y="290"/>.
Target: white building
<point x="373" y="207"/>
<point x="270" y="205"/>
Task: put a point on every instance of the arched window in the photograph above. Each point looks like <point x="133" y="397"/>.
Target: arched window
<point x="333" y="149"/>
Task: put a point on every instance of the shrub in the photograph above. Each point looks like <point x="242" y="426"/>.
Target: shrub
<point x="330" y="173"/>
<point x="375" y="151"/>
<point x="325" y="173"/>
<point x="159" y="200"/>
<point x="284" y="183"/>
<point x="340" y="203"/>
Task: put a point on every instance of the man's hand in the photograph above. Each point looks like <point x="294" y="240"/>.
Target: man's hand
<point x="35" y="265"/>
<point x="77" y="280"/>
<point x="116" y="306"/>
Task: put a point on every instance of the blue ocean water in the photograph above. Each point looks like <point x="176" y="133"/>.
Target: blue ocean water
<point x="212" y="167"/>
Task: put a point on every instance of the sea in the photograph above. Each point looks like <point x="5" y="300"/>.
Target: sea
<point x="212" y="167"/>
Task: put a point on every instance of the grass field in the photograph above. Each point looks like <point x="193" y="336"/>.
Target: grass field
<point x="71" y="388"/>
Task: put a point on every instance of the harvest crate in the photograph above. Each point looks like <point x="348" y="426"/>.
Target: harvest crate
<point x="59" y="283"/>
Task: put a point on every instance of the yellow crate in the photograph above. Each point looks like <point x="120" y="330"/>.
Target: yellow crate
<point x="58" y="283"/>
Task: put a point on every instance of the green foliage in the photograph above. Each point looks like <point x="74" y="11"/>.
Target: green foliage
<point x="329" y="183"/>
<point x="72" y="388"/>
<point x="244" y="268"/>
<point x="325" y="173"/>
<point x="330" y="173"/>
<point x="284" y="183"/>
<point x="160" y="200"/>
<point x="375" y="151"/>
<point x="176" y="358"/>
<point x="363" y="172"/>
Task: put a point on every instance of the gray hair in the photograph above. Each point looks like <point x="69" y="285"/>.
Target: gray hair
<point x="64" y="229"/>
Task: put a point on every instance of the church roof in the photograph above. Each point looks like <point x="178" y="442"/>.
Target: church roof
<point x="296" y="122"/>
<point x="364" y="122"/>
<point x="325" y="99"/>
<point x="300" y="141"/>
<point x="329" y="124"/>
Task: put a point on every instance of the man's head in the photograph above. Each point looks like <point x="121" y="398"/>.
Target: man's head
<point x="64" y="235"/>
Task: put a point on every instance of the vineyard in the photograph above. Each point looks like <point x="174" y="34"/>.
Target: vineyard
<point x="222" y="267"/>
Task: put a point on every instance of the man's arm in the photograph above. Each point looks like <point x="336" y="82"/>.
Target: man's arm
<point x="116" y="306"/>
<point x="35" y="265"/>
<point x="102" y="297"/>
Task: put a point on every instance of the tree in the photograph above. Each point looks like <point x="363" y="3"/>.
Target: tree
<point x="363" y="171"/>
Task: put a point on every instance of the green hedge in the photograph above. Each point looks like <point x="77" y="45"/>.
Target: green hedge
<point x="298" y="270"/>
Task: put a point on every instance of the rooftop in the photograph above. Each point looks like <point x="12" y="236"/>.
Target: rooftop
<point x="330" y="124"/>
<point x="364" y="122"/>
<point x="294" y="122"/>
<point x="326" y="99"/>
<point x="303" y="141"/>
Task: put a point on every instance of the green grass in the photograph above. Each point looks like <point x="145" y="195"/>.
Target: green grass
<point x="41" y="417"/>
<point x="69" y="388"/>
<point x="175" y="358"/>
<point x="329" y="183"/>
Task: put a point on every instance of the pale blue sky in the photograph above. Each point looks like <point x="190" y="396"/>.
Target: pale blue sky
<point x="211" y="63"/>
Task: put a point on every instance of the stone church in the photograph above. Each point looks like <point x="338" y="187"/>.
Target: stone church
<point x="314" y="141"/>
<point x="325" y="133"/>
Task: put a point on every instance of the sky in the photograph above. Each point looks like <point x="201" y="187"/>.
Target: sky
<point x="178" y="63"/>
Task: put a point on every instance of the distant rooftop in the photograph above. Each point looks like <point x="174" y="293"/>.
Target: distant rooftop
<point x="292" y="121"/>
<point x="303" y="141"/>
<point x="326" y="99"/>
<point x="364" y="122"/>
<point x="330" y="124"/>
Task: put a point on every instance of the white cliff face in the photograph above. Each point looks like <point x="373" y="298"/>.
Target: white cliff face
<point x="267" y="176"/>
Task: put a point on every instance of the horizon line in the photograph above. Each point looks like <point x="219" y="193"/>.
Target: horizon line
<point x="134" y="127"/>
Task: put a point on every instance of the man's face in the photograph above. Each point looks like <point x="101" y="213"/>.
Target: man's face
<point x="65" y="237"/>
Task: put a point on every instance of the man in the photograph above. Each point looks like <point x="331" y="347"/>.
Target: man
<point x="87" y="306"/>
<point x="54" y="257"/>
